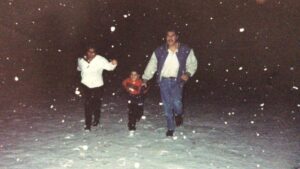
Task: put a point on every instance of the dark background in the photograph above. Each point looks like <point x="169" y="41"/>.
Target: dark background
<point x="40" y="41"/>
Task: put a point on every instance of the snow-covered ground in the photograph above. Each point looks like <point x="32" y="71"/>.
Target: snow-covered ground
<point x="48" y="134"/>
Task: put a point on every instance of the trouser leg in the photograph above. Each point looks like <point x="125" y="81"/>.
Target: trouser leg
<point x="177" y="89"/>
<point x="131" y="116"/>
<point x="97" y="104"/>
<point x="88" y="107"/>
<point x="166" y="96"/>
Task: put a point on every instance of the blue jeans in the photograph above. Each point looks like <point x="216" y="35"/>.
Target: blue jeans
<point x="171" y="94"/>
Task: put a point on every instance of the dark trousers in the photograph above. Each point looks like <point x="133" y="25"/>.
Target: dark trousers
<point x="92" y="104"/>
<point x="136" y="110"/>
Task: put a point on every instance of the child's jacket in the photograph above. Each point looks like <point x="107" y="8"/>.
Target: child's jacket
<point x="133" y="87"/>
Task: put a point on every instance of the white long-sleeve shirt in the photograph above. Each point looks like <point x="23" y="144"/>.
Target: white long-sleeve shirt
<point x="191" y="66"/>
<point x="171" y="65"/>
<point x="91" y="72"/>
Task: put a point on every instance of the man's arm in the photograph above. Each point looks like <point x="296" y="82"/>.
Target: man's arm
<point x="79" y="64"/>
<point x="150" y="69"/>
<point x="109" y="66"/>
<point x="191" y="64"/>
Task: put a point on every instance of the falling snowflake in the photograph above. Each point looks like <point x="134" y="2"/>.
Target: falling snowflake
<point x="112" y="28"/>
<point x="16" y="78"/>
<point x="242" y="29"/>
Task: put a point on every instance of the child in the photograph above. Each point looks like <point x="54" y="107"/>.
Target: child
<point x="134" y="87"/>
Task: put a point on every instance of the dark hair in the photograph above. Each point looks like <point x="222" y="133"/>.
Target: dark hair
<point x="90" y="47"/>
<point x="134" y="70"/>
<point x="172" y="30"/>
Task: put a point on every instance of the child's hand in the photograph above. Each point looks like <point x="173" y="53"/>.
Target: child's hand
<point x="130" y="89"/>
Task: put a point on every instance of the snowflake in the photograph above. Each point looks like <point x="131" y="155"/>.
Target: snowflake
<point x="16" y="78"/>
<point x="112" y="28"/>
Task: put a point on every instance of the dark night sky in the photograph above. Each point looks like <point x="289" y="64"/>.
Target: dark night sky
<point x="242" y="46"/>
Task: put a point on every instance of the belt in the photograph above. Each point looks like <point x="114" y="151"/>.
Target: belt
<point x="169" y="78"/>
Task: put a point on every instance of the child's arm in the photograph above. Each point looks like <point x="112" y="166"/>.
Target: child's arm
<point x="125" y="85"/>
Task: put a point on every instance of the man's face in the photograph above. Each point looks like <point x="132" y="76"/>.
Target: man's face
<point x="91" y="53"/>
<point x="171" y="38"/>
<point x="134" y="76"/>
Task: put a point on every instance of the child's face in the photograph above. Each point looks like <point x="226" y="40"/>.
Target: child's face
<point x="134" y="76"/>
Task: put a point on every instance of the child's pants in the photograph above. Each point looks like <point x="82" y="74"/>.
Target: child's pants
<point x="136" y="110"/>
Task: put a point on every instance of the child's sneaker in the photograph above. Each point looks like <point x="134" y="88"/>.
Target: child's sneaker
<point x="87" y="129"/>
<point x="95" y="123"/>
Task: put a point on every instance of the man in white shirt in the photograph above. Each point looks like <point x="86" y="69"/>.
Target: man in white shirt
<point x="174" y="64"/>
<point x="91" y="67"/>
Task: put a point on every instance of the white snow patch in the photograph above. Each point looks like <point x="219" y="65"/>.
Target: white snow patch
<point x="136" y="165"/>
<point x="84" y="147"/>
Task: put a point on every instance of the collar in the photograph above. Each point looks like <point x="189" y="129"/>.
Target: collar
<point x="178" y="47"/>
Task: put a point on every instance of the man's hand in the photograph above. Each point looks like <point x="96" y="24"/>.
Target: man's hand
<point x="114" y="62"/>
<point x="185" y="77"/>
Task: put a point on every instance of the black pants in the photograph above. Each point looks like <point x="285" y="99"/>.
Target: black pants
<point x="92" y="104"/>
<point x="136" y="110"/>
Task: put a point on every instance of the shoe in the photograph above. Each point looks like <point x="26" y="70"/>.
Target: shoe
<point x="95" y="123"/>
<point x="87" y="129"/>
<point x="178" y="120"/>
<point x="170" y="133"/>
<point x="131" y="127"/>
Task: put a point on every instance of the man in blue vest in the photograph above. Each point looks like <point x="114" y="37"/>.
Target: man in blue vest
<point x="174" y="63"/>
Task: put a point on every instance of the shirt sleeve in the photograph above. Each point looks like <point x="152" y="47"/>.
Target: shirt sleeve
<point x="151" y="68"/>
<point x="124" y="83"/>
<point x="107" y="65"/>
<point x="191" y="63"/>
<point x="79" y="65"/>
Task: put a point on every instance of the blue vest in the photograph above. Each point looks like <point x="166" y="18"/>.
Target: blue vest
<point x="182" y="55"/>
